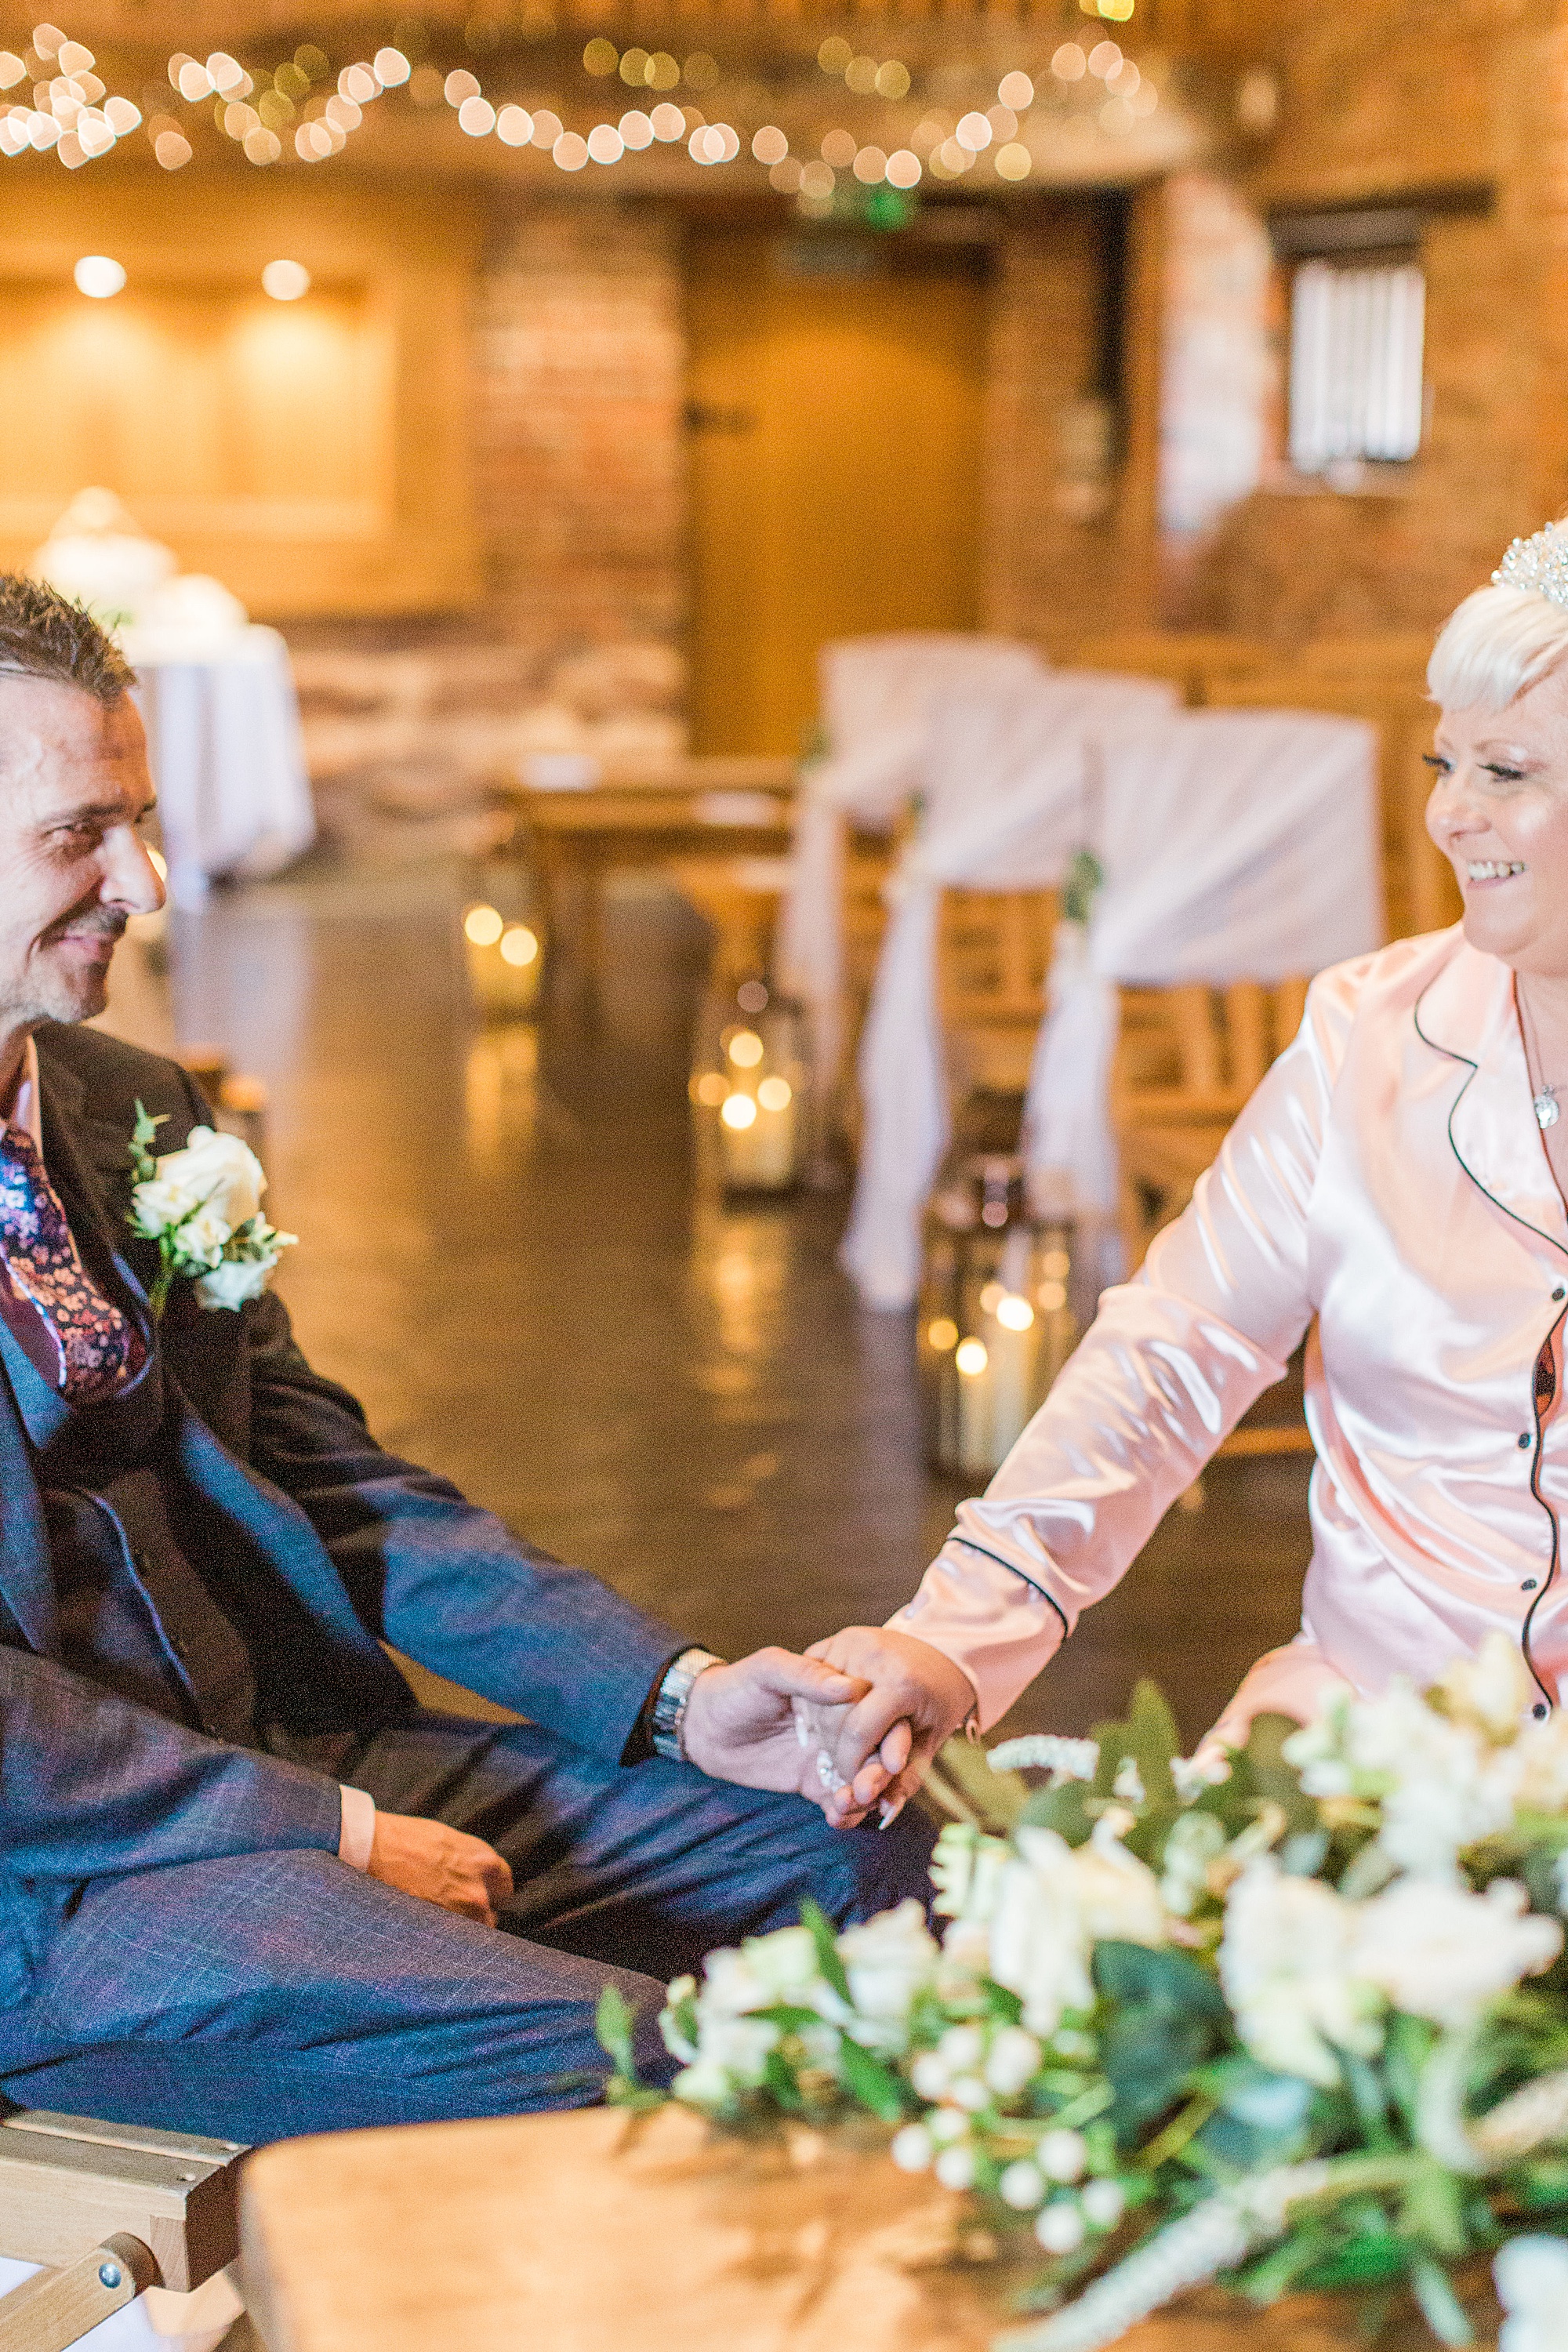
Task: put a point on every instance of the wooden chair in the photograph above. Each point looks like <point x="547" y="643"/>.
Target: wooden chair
<point x="113" y="2212"/>
<point x="1419" y="890"/>
<point x="993" y="954"/>
<point x="1186" y="1060"/>
<point x="1191" y="659"/>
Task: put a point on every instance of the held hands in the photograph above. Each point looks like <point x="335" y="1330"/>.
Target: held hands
<point x="878" y="1745"/>
<point x="741" y="1720"/>
<point x="442" y="1866"/>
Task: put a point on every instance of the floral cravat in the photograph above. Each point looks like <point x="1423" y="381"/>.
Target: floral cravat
<point x="99" y="1348"/>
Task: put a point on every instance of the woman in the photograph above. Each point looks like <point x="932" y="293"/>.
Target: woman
<point x="1399" y="1176"/>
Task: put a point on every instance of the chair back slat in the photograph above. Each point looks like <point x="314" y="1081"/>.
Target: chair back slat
<point x="1187" y="1059"/>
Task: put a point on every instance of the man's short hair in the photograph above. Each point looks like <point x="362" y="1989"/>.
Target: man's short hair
<point x="44" y="635"/>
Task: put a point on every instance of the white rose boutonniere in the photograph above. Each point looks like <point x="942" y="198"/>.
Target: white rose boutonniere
<point x="202" y="1205"/>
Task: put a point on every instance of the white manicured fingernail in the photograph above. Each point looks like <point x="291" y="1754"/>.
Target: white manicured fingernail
<point x="890" y="1809"/>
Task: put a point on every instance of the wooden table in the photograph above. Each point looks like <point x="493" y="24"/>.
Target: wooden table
<point x="593" y="2233"/>
<point x="573" y="839"/>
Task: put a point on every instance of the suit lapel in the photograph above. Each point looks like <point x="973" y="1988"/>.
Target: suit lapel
<point x="1469" y="1015"/>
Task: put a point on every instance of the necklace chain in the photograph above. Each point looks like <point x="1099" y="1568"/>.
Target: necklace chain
<point x="1545" y="1105"/>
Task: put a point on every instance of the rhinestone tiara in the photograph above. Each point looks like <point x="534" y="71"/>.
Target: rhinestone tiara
<point x="1539" y="563"/>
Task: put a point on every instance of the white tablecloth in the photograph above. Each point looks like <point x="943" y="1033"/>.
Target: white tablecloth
<point x="223" y="735"/>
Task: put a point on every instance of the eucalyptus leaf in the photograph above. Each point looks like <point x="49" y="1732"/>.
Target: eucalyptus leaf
<point x="869" y="2081"/>
<point x="814" y="1918"/>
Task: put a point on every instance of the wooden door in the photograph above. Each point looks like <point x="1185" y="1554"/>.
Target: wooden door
<point x="835" y="419"/>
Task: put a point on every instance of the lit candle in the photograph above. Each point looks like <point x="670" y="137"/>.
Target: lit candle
<point x="998" y="1384"/>
<point x="757" y="1137"/>
<point x="503" y="962"/>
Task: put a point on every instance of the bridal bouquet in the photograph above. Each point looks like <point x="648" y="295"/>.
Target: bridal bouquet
<point x="202" y="1205"/>
<point x="1294" y="2015"/>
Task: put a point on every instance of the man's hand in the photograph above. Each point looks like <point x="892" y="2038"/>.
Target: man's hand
<point x="741" y="1721"/>
<point x="442" y="1866"/>
<point x="878" y="1746"/>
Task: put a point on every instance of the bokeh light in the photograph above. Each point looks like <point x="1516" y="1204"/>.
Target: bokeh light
<point x="97" y="277"/>
<point x="971" y="1358"/>
<point x="286" y="282"/>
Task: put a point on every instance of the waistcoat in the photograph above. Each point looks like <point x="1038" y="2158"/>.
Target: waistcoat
<point x="124" y="1532"/>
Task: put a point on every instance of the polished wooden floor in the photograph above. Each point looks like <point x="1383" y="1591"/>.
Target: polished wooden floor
<point x="505" y="1252"/>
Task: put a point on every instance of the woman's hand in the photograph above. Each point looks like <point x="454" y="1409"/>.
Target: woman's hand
<point x="877" y="1747"/>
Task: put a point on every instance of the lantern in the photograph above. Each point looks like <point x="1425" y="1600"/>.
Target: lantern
<point x="997" y="1317"/>
<point x="748" y="1088"/>
<point x="504" y="962"/>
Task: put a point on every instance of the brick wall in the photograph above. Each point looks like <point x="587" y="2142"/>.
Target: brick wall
<point x="1394" y="98"/>
<point x="577" y="367"/>
<point x="1063" y="550"/>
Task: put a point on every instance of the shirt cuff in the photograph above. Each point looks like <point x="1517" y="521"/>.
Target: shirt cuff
<point x="994" y="1625"/>
<point x="357" y="1834"/>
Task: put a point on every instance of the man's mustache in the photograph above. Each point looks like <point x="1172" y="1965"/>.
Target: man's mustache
<point x="89" y="918"/>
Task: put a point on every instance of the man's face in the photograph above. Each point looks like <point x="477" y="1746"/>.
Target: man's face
<point x="74" y="787"/>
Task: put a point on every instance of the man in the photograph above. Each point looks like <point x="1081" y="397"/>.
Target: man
<point x="250" y="1886"/>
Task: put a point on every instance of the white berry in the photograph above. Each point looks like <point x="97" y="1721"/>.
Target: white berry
<point x="1062" y="2155"/>
<point x="1104" y="2202"/>
<point x="1022" y="2186"/>
<point x="1059" y="2227"/>
<point x="912" y="2149"/>
<point x="955" y="2167"/>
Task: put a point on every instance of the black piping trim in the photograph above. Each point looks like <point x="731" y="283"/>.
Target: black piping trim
<point x="970" y="1546"/>
<point x="1555" y="1561"/>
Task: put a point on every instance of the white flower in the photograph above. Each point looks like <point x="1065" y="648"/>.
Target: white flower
<point x="911" y="2148"/>
<point x="1441" y="1952"/>
<point x="1442" y="1784"/>
<point x="1196" y="1841"/>
<point x="234" y="1281"/>
<point x="1531" y="2276"/>
<point x="1119" y="1894"/>
<point x="733" y="2056"/>
<point x="889" y="1961"/>
<point x="1039" y="1945"/>
<point x="966" y="1869"/>
<point x="216" y="1170"/>
<point x="1490" y="1693"/>
<point x="784" y="1965"/>
<point x="1054" y="1904"/>
<point x="955" y="2168"/>
<point x="1287" y="1964"/>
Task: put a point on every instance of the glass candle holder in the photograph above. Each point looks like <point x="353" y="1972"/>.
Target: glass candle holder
<point x="504" y="959"/>
<point x="997" y="1318"/>
<point x="749" y="1089"/>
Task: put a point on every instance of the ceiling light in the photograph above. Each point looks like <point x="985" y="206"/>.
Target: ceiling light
<point x="97" y="276"/>
<point x="285" y="281"/>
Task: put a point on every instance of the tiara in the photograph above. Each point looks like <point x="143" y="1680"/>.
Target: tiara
<point x="1538" y="564"/>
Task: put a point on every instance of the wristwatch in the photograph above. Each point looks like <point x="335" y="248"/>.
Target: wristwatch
<point x="668" y="1728"/>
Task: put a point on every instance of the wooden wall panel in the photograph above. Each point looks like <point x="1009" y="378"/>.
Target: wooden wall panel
<point x="313" y="454"/>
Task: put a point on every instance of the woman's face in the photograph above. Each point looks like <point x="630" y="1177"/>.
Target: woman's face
<point x="1499" y="811"/>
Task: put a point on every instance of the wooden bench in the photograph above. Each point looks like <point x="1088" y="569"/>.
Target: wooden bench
<point x="112" y="2212"/>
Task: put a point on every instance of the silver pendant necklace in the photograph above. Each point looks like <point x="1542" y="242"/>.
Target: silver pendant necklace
<point x="1545" y="1105"/>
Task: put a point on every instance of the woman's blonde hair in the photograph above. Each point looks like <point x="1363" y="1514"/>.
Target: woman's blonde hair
<point x="1500" y="641"/>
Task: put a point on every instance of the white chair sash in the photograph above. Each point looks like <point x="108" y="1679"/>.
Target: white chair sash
<point x="1009" y="795"/>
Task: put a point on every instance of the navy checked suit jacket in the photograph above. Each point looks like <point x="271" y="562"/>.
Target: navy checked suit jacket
<point x="331" y="1545"/>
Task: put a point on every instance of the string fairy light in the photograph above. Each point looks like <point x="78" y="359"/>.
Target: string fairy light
<point x="300" y="108"/>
